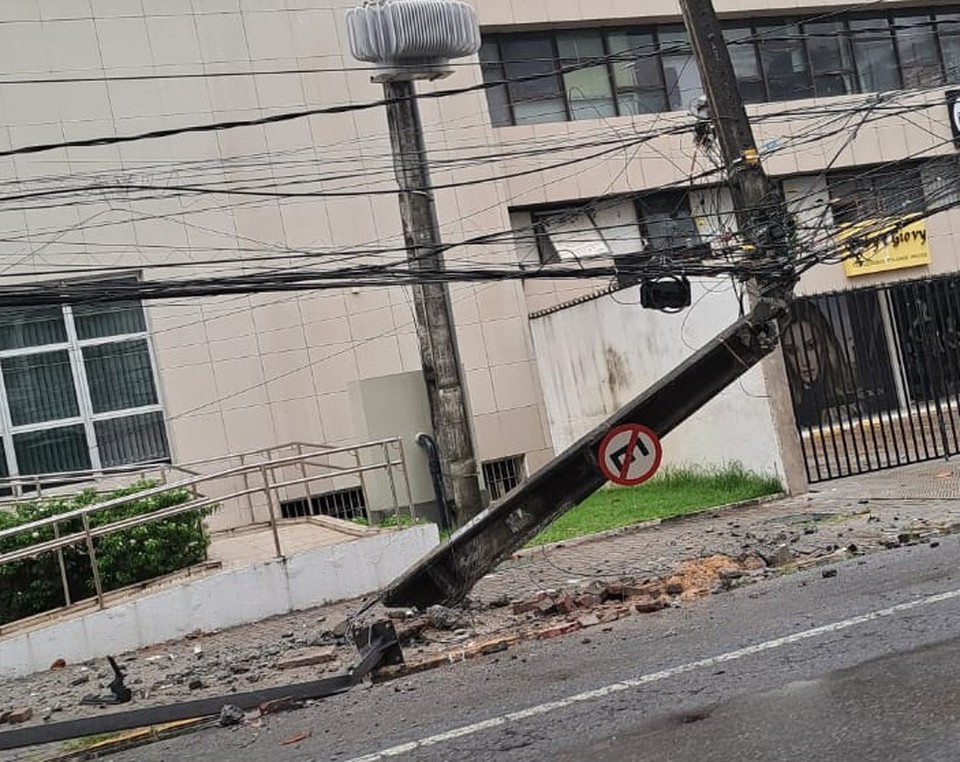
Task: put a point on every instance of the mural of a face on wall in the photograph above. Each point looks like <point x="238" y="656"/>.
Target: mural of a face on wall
<point x="800" y="350"/>
<point x="821" y="379"/>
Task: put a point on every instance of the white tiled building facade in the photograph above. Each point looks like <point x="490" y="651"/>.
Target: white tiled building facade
<point x="242" y="372"/>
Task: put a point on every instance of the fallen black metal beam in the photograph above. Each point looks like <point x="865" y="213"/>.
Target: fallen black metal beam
<point x="380" y="649"/>
<point x="447" y="574"/>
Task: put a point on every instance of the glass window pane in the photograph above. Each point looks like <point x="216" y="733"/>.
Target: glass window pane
<point x="831" y="60"/>
<point x="875" y="57"/>
<point x="680" y="72"/>
<point x="636" y="73"/>
<point x="917" y="46"/>
<point x="96" y="320"/>
<point x="784" y="62"/>
<point x="539" y="99"/>
<point x="40" y="388"/>
<point x="900" y="192"/>
<point x="588" y="90"/>
<point x="746" y="66"/>
<point x="133" y="439"/>
<point x="667" y="223"/>
<point x="52" y="451"/>
<point x="948" y="29"/>
<point x="119" y="375"/>
<point x="23" y="327"/>
<point x="497" y="99"/>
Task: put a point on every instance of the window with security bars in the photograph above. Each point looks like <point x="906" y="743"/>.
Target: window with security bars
<point x="504" y="475"/>
<point x="77" y="390"/>
<point x="347" y="504"/>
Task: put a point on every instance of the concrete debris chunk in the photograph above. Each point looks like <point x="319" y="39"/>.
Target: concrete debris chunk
<point x="308" y="657"/>
<point x="650" y="605"/>
<point x="444" y="618"/>
<point x="16" y="716"/>
<point x="231" y="714"/>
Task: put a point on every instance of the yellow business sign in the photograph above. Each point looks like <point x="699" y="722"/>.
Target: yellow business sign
<point x="883" y="245"/>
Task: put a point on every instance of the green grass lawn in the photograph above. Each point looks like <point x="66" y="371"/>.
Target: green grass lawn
<point x="673" y="493"/>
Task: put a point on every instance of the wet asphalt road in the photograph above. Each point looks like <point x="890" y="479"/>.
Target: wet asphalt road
<point x="861" y="666"/>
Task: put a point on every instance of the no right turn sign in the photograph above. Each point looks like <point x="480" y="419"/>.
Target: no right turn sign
<point x="630" y="454"/>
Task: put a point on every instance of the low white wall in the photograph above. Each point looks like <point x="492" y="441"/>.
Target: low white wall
<point x="239" y="596"/>
<point x="595" y="357"/>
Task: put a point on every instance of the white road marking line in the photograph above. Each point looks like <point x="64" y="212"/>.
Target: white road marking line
<point x="653" y="677"/>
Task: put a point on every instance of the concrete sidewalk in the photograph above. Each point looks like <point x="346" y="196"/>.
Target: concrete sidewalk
<point x="860" y="514"/>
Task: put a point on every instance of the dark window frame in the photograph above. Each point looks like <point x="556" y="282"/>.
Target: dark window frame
<point x="884" y="30"/>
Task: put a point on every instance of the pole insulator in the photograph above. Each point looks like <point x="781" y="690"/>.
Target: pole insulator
<point x="417" y="38"/>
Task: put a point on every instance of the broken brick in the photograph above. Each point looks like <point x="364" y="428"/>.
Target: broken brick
<point x="529" y="604"/>
<point x="307" y="657"/>
<point x="58" y="664"/>
<point x="546" y="606"/>
<point x="613" y="614"/>
<point x="565" y="603"/>
<point x="556" y="630"/>
<point x="492" y="646"/>
<point x="650" y="605"/>
<point x="411" y="630"/>
<point x="17" y="716"/>
<point x="673" y="588"/>
<point x="594" y="587"/>
<point x="588" y="620"/>
<point x="647" y="590"/>
<point x="410" y="668"/>
<point x="285" y="704"/>
<point x="616" y="590"/>
<point x="588" y="600"/>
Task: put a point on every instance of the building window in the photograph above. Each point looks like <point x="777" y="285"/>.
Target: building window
<point x="637" y="74"/>
<point x="534" y="87"/>
<point x="831" y="59"/>
<point x="783" y="59"/>
<point x="504" y="475"/>
<point x="917" y="52"/>
<point x="888" y="192"/>
<point x="587" y="88"/>
<point x="746" y="64"/>
<point x="642" y="70"/>
<point x="346" y="504"/>
<point x="77" y="390"/>
<point x="568" y="235"/>
<point x="874" y="55"/>
<point x="587" y="74"/>
<point x="667" y="224"/>
<point x="660" y="224"/>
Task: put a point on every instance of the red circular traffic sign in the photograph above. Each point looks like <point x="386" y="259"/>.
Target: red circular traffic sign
<point x="630" y="454"/>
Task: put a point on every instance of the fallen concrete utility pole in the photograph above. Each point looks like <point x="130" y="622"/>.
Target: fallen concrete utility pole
<point x="447" y="574"/>
<point x="377" y="643"/>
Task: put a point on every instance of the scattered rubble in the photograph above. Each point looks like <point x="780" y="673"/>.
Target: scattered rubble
<point x="534" y="597"/>
<point x="231" y="715"/>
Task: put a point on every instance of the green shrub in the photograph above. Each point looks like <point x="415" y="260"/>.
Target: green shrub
<point x="33" y="585"/>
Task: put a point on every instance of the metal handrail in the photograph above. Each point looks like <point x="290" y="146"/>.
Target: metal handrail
<point x="268" y="487"/>
<point x="93" y="474"/>
<point x="160" y="489"/>
<point x="163" y="513"/>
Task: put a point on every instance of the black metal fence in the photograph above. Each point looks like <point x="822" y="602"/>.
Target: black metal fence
<point x="875" y="376"/>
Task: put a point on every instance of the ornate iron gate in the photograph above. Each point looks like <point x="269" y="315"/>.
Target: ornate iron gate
<point x="875" y="376"/>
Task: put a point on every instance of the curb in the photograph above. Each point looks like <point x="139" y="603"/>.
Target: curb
<point x="644" y="526"/>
